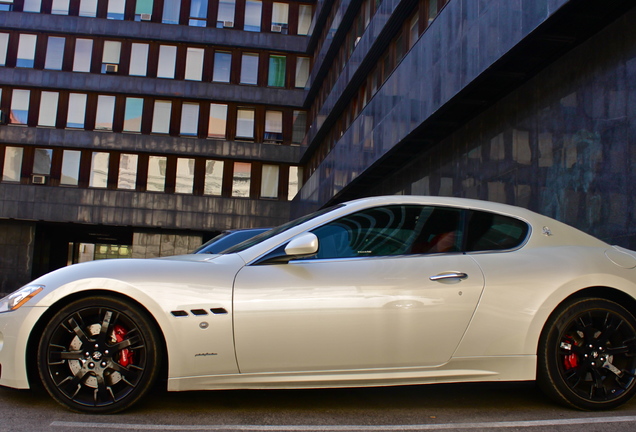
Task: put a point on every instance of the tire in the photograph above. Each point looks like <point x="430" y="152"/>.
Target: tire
<point x="587" y="355"/>
<point x="98" y="355"/>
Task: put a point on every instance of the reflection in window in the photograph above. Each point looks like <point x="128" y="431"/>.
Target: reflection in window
<point x="167" y="59"/>
<point x="59" y="7"/>
<point x="280" y="16"/>
<point x="304" y="19"/>
<point x="273" y="126"/>
<point x="26" y="51"/>
<point x="171" y="10"/>
<point x="42" y="161"/>
<point x="12" y="168"/>
<point x="116" y="9"/>
<point x="185" y="176"/>
<point x="222" y="66"/>
<point x="253" y="10"/>
<point x="143" y="9"/>
<point x="4" y="43"/>
<point x="249" y="68"/>
<point x="241" y="179"/>
<point x="88" y="8"/>
<point x="225" y="17"/>
<point x="48" y="108"/>
<point x="245" y="123"/>
<point x="194" y="64"/>
<point x="156" y="174"/>
<point x="105" y="112"/>
<point x="32" y="6"/>
<point x="189" y="119"/>
<point x="54" y="53"/>
<point x="70" y="167"/>
<point x="127" y="177"/>
<point x="83" y="52"/>
<point x="295" y="182"/>
<point x="213" y="177"/>
<point x="20" y="106"/>
<point x="276" y="75"/>
<point x="269" y="182"/>
<point x="161" y="117"/>
<point x="218" y="120"/>
<point x="132" y="114"/>
<point x="198" y="13"/>
<point x="76" y="110"/>
<point x="110" y="56"/>
<point x="99" y="170"/>
<point x="302" y="71"/>
<point x="138" y="59"/>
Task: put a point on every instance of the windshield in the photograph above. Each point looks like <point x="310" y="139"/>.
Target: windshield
<point x="274" y="231"/>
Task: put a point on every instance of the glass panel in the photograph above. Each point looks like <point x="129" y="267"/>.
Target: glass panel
<point x="245" y="123"/>
<point x="299" y="127"/>
<point x="226" y="13"/>
<point x="432" y="11"/>
<point x="59" y="7"/>
<point x="76" y="110"/>
<point x="302" y="71"/>
<point x="222" y="65"/>
<point x="70" y="167"/>
<point x="138" y="59"/>
<point x="105" y="112"/>
<point x="48" y="108"/>
<point x="273" y="126"/>
<point x="20" y="106"/>
<point x="167" y="59"/>
<point x="6" y="5"/>
<point x="143" y="7"/>
<point x="161" y="117"/>
<point x="198" y="13"/>
<point x="111" y="54"/>
<point x="269" y="182"/>
<point x="487" y="231"/>
<point x="185" y="176"/>
<point x="189" y="119"/>
<point x="280" y="14"/>
<point x="54" y="53"/>
<point x="132" y="115"/>
<point x="218" y="120"/>
<point x="194" y="64"/>
<point x="304" y="19"/>
<point x="12" y="169"/>
<point x="241" y="179"/>
<point x="127" y="178"/>
<point x="99" y="170"/>
<point x="4" y="43"/>
<point x="277" y="66"/>
<point x="171" y="10"/>
<point x="32" y="6"/>
<point x="42" y="161"/>
<point x="295" y="181"/>
<point x="253" y="10"/>
<point x="156" y="174"/>
<point x="26" y="50"/>
<point x="249" y="68"/>
<point x="213" y="177"/>
<point x="83" y="52"/>
<point x="88" y="8"/>
<point x="116" y="9"/>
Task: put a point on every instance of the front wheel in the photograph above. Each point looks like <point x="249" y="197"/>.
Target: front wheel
<point x="98" y="355"/>
<point x="587" y="355"/>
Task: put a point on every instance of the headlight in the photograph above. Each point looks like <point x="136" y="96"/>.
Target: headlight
<point x="18" y="298"/>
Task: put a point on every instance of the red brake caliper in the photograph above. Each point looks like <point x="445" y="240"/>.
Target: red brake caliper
<point x="571" y="361"/>
<point x="125" y="355"/>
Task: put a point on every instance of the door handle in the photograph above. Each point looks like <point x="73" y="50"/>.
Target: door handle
<point x="448" y="275"/>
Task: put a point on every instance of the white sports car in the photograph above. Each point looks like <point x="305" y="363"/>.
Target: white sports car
<point x="380" y="291"/>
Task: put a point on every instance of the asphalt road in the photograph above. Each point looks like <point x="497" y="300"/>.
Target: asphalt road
<point x="462" y="407"/>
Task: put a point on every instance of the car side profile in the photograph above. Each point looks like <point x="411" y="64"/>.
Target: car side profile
<point x="397" y="290"/>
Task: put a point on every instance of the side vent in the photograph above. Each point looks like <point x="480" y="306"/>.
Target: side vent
<point x="199" y="312"/>
<point x="179" y="313"/>
<point x="218" y="311"/>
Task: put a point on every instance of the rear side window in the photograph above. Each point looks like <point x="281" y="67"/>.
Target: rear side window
<point x="488" y="231"/>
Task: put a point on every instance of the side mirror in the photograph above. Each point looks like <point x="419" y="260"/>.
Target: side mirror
<point x="303" y="245"/>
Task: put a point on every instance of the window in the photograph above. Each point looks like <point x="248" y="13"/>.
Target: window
<point x="218" y="120"/>
<point x="273" y="126"/>
<point x="161" y="117"/>
<point x="280" y="14"/>
<point x="432" y="11"/>
<point x="222" y="66"/>
<point x="241" y="179"/>
<point x="299" y="127"/>
<point x="83" y="52"/>
<point x="269" y="181"/>
<point x="116" y="9"/>
<point x="225" y="17"/>
<point x="167" y="59"/>
<point x="302" y="71"/>
<point x="213" y="177"/>
<point x="20" y="106"/>
<point x="132" y="114"/>
<point x="6" y="5"/>
<point x="70" y="167"/>
<point x="194" y="64"/>
<point x="59" y="7"/>
<point x="76" y="110"/>
<point x="185" y="176"/>
<point x="245" y="123"/>
<point x="249" y="68"/>
<point x="414" y="28"/>
<point x="99" y="170"/>
<point x="32" y="6"/>
<point x="105" y="113"/>
<point x="189" y="119"/>
<point x="12" y="168"/>
<point x="295" y="182"/>
<point x="88" y="8"/>
<point x="171" y="11"/>
<point x="138" y="59"/>
<point x="488" y="231"/>
<point x="4" y="43"/>
<point x="198" y="13"/>
<point x="26" y="50"/>
<point x="156" y="174"/>
<point x="304" y="19"/>
<point x="143" y="10"/>
<point x="48" y="108"/>
<point x="54" y="53"/>
<point x="110" y="57"/>
<point x="277" y="66"/>
<point x="42" y="161"/>
<point x="127" y="177"/>
<point x="253" y="9"/>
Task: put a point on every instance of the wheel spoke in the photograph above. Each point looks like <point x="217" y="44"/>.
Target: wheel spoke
<point x="79" y="332"/>
<point x="105" y="329"/>
<point x="60" y="356"/>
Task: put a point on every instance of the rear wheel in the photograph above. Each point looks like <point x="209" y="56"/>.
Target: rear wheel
<point x="587" y="355"/>
<point x="98" y="355"/>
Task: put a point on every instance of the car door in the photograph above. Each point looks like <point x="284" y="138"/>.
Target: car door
<point x="371" y="298"/>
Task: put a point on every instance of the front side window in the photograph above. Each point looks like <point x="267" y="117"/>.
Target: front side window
<point x="54" y="53"/>
<point x="116" y="9"/>
<point x="42" y="161"/>
<point x="156" y="174"/>
<point x="88" y="8"/>
<point x="83" y="53"/>
<point x="222" y="66"/>
<point x="302" y="71"/>
<point x="245" y="123"/>
<point x="280" y="17"/>
<point x="167" y="61"/>
<point x="26" y="51"/>
<point x="99" y="170"/>
<point x="225" y="16"/>
<point x="304" y="19"/>
<point x="194" y="64"/>
<point x="241" y="179"/>
<point x="32" y="6"/>
<point x="198" y="13"/>
<point x="171" y="11"/>
<point x="70" y="167"/>
<point x="218" y="121"/>
<point x="213" y="177"/>
<point x="189" y="119"/>
<point x="269" y="182"/>
<point x="253" y="9"/>
<point x="249" y="68"/>
<point x="132" y="114"/>
<point x="143" y="10"/>
<point x="161" y="117"/>
<point x="127" y="176"/>
<point x="76" y="110"/>
<point x="20" y="106"/>
<point x="105" y="112"/>
<point x="110" y="57"/>
<point x="138" y="59"/>
<point x="12" y="168"/>
<point x="276" y="74"/>
<point x="185" y="176"/>
<point x="59" y="7"/>
<point x="48" y="108"/>
<point x="273" y="126"/>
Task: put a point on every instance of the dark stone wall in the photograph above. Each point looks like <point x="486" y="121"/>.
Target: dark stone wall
<point x="16" y="254"/>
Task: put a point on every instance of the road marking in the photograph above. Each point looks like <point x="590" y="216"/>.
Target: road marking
<point x="319" y="428"/>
